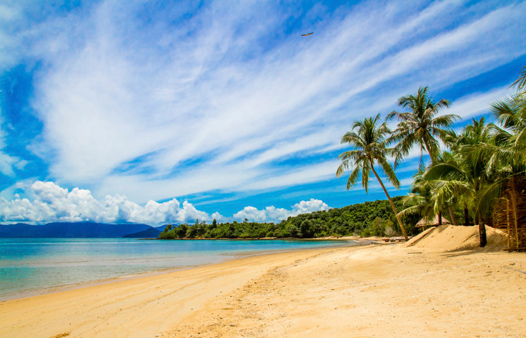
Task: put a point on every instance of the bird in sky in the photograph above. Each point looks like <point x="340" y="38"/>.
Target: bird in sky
<point x="307" y="34"/>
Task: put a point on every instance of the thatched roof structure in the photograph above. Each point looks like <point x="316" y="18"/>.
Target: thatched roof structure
<point x="426" y="222"/>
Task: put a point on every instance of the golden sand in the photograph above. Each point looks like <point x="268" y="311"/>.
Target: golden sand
<point x="403" y="290"/>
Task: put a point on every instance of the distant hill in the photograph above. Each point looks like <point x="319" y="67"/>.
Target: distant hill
<point x="70" y="230"/>
<point x="162" y="227"/>
<point x="148" y="233"/>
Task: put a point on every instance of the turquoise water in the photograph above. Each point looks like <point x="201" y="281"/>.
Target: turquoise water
<point x="37" y="265"/>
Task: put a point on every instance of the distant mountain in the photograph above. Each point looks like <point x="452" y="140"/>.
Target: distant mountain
<point x="148" y="233"/>
<point x="162" y="227"/>
<point x="70" y="230"/>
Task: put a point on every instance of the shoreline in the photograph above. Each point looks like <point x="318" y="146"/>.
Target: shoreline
<point x="235" y="256"/>
<point x="361" y="291"/>
<point x="59" y="304"/>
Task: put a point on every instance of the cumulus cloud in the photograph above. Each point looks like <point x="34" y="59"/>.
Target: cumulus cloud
<point x="53" y="203"/>
<point x="273" y="214"/>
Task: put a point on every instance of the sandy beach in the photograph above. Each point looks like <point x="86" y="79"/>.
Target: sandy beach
<point x="402" y="290"/>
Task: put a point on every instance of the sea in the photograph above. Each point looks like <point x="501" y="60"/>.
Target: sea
<point x="41" y="265"/>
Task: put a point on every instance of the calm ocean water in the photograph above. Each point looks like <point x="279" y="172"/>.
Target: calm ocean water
<point x="37" y="265"/>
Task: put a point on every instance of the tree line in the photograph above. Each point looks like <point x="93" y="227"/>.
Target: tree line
<point x="469" y="172"/>
<point x="363" y="219"/>
<point x="475" y="169"/>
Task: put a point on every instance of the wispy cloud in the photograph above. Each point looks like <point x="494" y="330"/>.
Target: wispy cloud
<point x="8" y="163"/>
<point x="229" y="97"/>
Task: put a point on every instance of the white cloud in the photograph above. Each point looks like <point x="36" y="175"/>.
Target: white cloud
<point x="273" y="214"/>
<point x="52" y="203"/>
<point x="8" y="162"/>
<point x="163" y="110"/>
<point x="478" y="103"/>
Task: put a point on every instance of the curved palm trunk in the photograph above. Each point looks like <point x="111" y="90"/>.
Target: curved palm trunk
<point x="390" y="202"/>
<point x="452" y="215"/>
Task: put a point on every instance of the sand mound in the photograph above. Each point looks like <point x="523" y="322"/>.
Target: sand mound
<point x="456" y="238"/>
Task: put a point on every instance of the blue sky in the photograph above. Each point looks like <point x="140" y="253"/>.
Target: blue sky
<point x="162" y="111"/>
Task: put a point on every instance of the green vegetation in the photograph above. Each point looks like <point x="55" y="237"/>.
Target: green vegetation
<point x="474" y="170"/>
<point x="370" y="146"/>
<point x="364" y="219"/>
<point x="482" y="166"/>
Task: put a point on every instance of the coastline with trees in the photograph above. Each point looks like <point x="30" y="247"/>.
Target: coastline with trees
<point x="470" y="175"/>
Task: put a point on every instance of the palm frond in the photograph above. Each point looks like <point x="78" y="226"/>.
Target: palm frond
<point x="520" y="83"/>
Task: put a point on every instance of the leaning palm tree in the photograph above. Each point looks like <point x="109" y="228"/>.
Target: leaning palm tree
<point x="370" y="147"/>
<point x="420" y="125"/>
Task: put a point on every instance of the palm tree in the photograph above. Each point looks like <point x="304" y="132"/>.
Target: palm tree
<point x="370" y="147"/>
<point x="418" y="201"/>
<point x="511" y="114"/>
<point x="464" y="174"/>
<point x="420" y="125"/>
<point x="507" y="159"/>
<point x="521" y="81"/>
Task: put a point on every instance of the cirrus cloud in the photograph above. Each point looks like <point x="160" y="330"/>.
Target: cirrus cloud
<point x="156" y="99"/>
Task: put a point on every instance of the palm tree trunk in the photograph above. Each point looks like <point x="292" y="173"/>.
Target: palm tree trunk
<point x="466" y="215"/>
<point x="482" y="232"/>
<point x="428" y="151"/>
<point x="440" y="218"/>
<point x="508" y="222"/>
<point x="480" y="221"/>
<point x="452" y="215"/>
<point x="390" y="202"/>
<point x="514" y="207"/>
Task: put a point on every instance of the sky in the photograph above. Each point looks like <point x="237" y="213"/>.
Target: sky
<point x="169" y="111"/>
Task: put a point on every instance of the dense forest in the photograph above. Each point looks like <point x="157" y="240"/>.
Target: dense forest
<point x="364" y="219"/>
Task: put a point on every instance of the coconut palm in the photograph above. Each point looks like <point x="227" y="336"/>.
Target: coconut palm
<point x="511" y="115"/>
<point x="370" y="147"/>
<point x="521" y="81"/>
<point x="463" y="174"/>
<point x="420" y="125"/>
<point x="507" y="160"/>
<point x="418" y="201"/>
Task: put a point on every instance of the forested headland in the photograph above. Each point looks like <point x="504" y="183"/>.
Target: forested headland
<point x="363" y="219"/>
